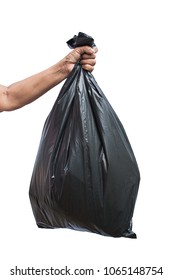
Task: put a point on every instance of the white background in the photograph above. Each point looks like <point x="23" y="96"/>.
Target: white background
<point x="134" y="69"/>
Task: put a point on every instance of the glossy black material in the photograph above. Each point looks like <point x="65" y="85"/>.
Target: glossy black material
<point x="85" y="175"/>
<point x="80" y="40"/>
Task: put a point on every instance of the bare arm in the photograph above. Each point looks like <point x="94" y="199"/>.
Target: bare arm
<point x="26" y="91"/>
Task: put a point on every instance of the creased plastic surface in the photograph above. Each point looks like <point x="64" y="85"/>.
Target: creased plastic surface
<point x="85" y="175"/>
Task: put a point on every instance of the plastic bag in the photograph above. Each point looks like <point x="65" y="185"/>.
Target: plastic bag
<point x="85" y="175"/>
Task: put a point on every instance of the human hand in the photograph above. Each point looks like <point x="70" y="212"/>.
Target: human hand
<point x="87" y="55"/>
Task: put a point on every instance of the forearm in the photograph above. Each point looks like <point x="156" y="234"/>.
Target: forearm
<point x="26" y="91"/>
<point x="31" y="88"/>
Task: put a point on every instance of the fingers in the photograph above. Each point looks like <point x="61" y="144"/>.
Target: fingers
<point x="88" y="64"/>
<point x="95" y="49"/>
<point x="88" y="60"/>
<point x="87" y="55"/>
<point x="86" y="50"/>
<point x="88" y="67"/>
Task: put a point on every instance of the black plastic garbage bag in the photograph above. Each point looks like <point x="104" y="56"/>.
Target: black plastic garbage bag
<point x="85" y="175"/>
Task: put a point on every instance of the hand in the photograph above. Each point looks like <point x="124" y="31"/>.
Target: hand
<point x="88" y="58"/>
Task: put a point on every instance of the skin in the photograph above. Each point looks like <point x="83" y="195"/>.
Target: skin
<point x="23" y="92"/>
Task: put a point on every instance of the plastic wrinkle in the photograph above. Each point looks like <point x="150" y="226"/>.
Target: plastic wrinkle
<point x="85" y="175"/>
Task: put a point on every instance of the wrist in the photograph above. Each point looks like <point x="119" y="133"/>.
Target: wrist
<point x="59" y="71"/>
